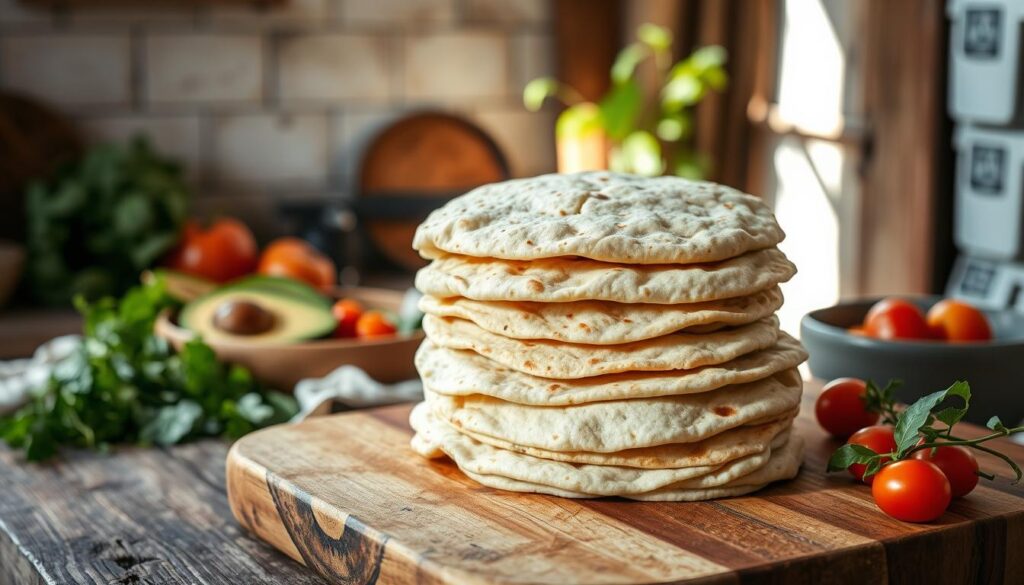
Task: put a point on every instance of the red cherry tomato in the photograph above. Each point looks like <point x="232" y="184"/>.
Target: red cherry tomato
<point x="879" y="439"/>
<point x="912" y="490"/>
<point x="957" y="464"/>
<point x="959" y="321"/>
<point x="894" y="318"/>
<point x="347" y="312"/>
<point x="225" y="251"/>
<point x="840" y="408"/>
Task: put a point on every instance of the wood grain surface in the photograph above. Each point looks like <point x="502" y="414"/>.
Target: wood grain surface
<point x="345" y="496"/>
<point x="135" y="516"/>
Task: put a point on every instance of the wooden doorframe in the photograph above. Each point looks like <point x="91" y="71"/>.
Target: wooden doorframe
<point x="906" y="242"/>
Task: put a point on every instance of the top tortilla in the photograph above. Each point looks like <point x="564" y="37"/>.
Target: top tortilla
<point x="612" y="217"/>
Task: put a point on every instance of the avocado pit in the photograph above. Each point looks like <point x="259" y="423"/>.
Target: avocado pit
<point x="240" y="317"/>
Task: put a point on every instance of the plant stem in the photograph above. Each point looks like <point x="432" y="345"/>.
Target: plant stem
<point x="976" y="444"/>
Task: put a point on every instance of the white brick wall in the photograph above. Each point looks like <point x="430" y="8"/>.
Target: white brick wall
<point x="193" y="68"/>
<point x="456" y="66"/>
<point x="388" y="13"/>
<point x="69" y="70"/>
<point x="333" y="67"/>
<point x="281" y="102"/>
<point x="177" y="136"/>
<point x="268" y="148"/>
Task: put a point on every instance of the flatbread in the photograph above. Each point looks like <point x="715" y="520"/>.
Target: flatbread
<point x="559" y="280"/>
<point x="607" y="427"/>
<point x="551" y="359"/>
<point x="462" y="373"/>
<point x="598" y="480"/>
<point x="715" y="450"/>
<point x="603" y="322"/>
<point x="605" y="216"/>
<point x="782" y="465"/>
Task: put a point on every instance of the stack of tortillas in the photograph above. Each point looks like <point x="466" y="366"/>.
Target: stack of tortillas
<point x="602" y="334"/>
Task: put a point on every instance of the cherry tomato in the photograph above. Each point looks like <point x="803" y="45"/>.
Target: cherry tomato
<point x="347" y="312"/>
<point x="374" y="324"/>
<point x="957" y="464"/>
<point x="840" y="407"/>
<point x="959" y="321"/>
<point x="878" y="438"/>
<point x="894" y="318"/>
<point x="295" y="258"/>
<point x="225" y="251"/>
<point x="912" y="490"/>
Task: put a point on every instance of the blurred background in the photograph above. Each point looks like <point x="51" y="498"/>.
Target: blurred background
<point x="345" y="121"/>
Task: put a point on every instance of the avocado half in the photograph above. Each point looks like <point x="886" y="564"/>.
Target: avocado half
<point x="296" y="311"/>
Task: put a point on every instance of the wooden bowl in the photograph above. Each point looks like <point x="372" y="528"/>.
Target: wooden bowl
<point x="282" y="365"/>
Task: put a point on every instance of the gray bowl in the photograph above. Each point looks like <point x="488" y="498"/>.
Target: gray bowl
<point x="994" y="369"/>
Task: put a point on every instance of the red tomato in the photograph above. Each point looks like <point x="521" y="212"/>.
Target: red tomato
<point x="347" y="312"/>
<point x="894" y="318"/>
<point x="225" y="251"/>
<point x="374" y="324"/>
<point x="879" y="439"/>
<point x="959" y="321"/>
<point x="957" y="463"/>
<point x="840" y="408"/>
<point x="296" y="259"/>
<point x="858" y="330"/>
<point x="912" y="490"/>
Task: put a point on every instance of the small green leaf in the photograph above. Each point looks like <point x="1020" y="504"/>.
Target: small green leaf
<point x="642" y="154"/>
<point x="252" y="408"/>
<point x="918" y="414"/>
<point x="681" y="91"/>
<point x="848" y="455"/>
<point x="537" y="91"/>
<point x="953" y="415"/>
<point x="675" y="127"/>
<point x="996" y="424"/>
<point x="172" y="423"/>
<point x="709" y="57"/>
<point x="579" y="121"/>
<point x="656" y="37"/>
<point x="620" y="108"/>
<point x="626" y="62"/>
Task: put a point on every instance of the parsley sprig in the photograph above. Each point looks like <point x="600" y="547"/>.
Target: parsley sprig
<point x="922" y="425"/>
<point x="126" y="385"/>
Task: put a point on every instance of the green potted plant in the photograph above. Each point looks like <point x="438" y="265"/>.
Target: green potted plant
<point x="626" y="130"/>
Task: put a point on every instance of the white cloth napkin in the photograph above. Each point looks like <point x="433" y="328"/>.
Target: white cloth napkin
<point x="19" y="377"/>
<point x="352" y="387"/>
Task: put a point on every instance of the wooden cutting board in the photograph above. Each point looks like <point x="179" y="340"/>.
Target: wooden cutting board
<point x="345" y="496"/>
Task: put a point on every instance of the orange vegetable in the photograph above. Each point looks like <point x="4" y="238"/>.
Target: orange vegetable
<point x="374" y="324"/>
<point x="297" y="259"/>
<point x="959" y="321"/>
<point x="225" y="251"/>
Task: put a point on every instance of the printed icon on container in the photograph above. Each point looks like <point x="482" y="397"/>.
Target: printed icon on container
<point x="981" y="33"/>
<point x="987" y="166"/>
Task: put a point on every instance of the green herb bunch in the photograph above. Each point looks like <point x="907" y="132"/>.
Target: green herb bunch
<point x="126" y="385"/>
<point x="101" y="221"/>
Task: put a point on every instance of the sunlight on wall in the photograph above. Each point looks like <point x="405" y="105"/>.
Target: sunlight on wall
<point x="811" y="176"/>
<point x="812" y="234"/>
<point x="812" y="67"/>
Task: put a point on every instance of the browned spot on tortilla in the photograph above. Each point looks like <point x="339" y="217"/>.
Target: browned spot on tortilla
<point x="584" y="326"/>
<point x="554" y="387"/>
<point x="529" y="242"/>
<point x="569" y="315"/>
<point x="562" y="212"/>
<point x="594" y="361"/>
<point x="600" y="196"/>
<point x="528" y="364"/>
<point x="627" y="320"/>
<point x="724" y="410"/>
<point x="536" y="285"/>
<point x="697" y="450"/>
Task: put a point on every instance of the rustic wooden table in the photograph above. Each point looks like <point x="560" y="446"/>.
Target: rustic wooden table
<point x="162" y="516"/>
